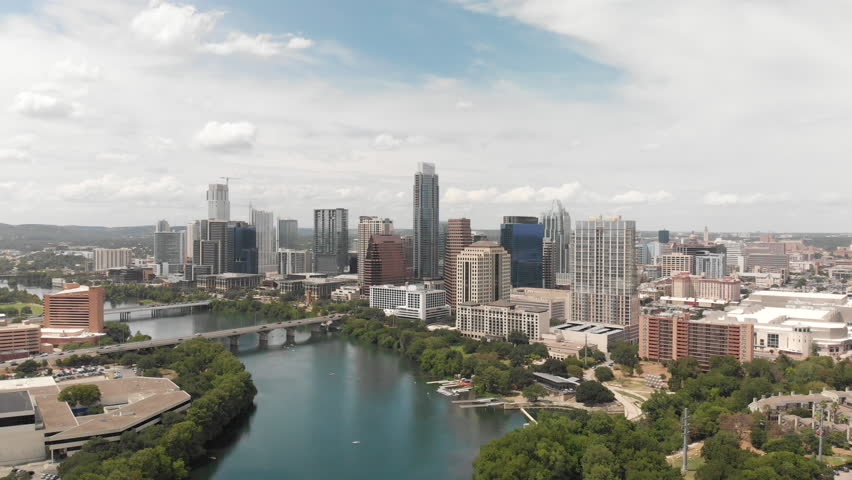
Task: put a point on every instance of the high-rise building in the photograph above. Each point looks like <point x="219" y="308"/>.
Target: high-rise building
<point x="331" y="240"/>
<point x="408" y="248"/>
<point x="663" y="236"/>
<point x="426" y="214"/>
<point x="192" y="233"/>
<point x="675" y="263"/>
<point x="169" y="251"/>
<point x="522" y="238"/>
<point x="604" y="271"/>
<point x="483" y="274"/>
<point x="706" y="234"/>
<point x="384" y="261"/>
<point x="264" y="223"/>
<point x="288" y="233"/>
<point x="245" y="248"/>
<point x="162" y="226"/>
<point x="458" y="238"/>
<point x="292" y="261"/>
<point x="711" y="265"/>
<point x="218" y="204"/>
<point x="106" y="258"/>
<point x="663" y="338"/>
<point x="548" y="264"/>
<point x="75" y="307"/>
<point x="214" y="246"/>
<point x="557" y="229"/>
<point x="367" y="227"/>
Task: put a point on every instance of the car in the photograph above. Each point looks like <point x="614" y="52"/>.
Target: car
<point x="43" y="355"/>
<point x="14" y="364"/>
<point x="263" y="327"/>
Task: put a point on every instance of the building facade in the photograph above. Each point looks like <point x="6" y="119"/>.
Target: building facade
<point x="669" y="337"/>
<point x="711" y="265"/>
<point x="483" y="274"/>
<point x="218" y="204"/>
<point x="674" y="263"/>
<point x="106" y="258"/>
<point x="169" y="251"/>
<point x="411" y="301"/>
<point x="245" y="249"/>
<point x="557" y="230"/>
<point x="288" y="233"/>
<point x="264" y="224"/>
<point x="498" y="319"/>
<point x="294" y="261"/>
<point x="331" y="240"/>
<point x="458" y="238"/>
<point x="367" y="227"/>
<point x="523" y="238"/>
<point x="556" y="301"/>
<point x="19" y="340"/>
<point x="75" y="307"/>
<point x="426" y="221"/>
<point x="604" y="277"/>
<point x="384" y="261"/>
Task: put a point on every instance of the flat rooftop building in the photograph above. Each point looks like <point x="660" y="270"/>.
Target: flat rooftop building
<point x="75" y="307"/>
<point x="597" y="335"/>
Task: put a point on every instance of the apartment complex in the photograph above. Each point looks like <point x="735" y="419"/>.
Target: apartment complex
<point x="331" y="240"/>
<point x="483" y="273"/>
<point x="76" y="307"/>
<point x="106" y="258"/>
<point x="411" y="301"/>
<point x="604" y="271"/>
<point x="218" y="204"/>
<point x="496" y="320"/>
<point x="264" y="224"/>
<point x="288" y="233"/>
<point x="669" y="337"/>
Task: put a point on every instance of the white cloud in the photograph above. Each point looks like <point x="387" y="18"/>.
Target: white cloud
<point x="464" y="105"/>
<point x="14" y="155"/>
<point x="523" y="194"/>
<point x="170" y="25"/>
<point x="36" y="104"/>
<point x="227" y="136"/>
<point x="386" y="141"/>
<point x="72" y="70"/>
<point x="137" y="191"/>
<point x="261" y="45"/>
<point x="635" y="197"/>
<point x="728" y="199"/>
<point x="298" y="43"/>
<point x="116" y="157"/>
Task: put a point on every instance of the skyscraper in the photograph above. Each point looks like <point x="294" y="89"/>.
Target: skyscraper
<point x="663" y="236"/>
<point x="426" y="197"/>
<point x="288" y="231"/>
<point x="218" y="205"/>
<point x="523" y="237"/>
<point x="483" y="274"/>
<point x="604" y="277"/>
<point x="245" y="248"/>
<point x="264" y="223"/>
<point x="706" y="234"/>
<point x="458" y="238"/>
<point x="331" y="240"/>
<point x="384" y="261"/>
<point x="162" y="226"/>
<point x="214" y="246"/>
<point x="106" y="258"/>
<point x="548" y="264"/>
<point x="169" y="251"/>
<point x="367" y="227"/>
<point x="557" y="229"/>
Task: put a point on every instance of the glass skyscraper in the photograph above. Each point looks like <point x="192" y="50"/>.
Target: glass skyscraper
<point x="522" y="238"/>
<point x="557" y="230"/>
<point x="331" y="240"/>
<point x="426" y="196"/>
<point x="245" y="249"/>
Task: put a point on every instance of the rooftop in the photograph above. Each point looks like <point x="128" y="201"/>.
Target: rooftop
<point x="15" y="402"/>
<point x="811" y="295"/>
<point x="26" y="383"/>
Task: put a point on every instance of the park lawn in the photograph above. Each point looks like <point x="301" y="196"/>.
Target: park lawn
<point x="37" y="309"/>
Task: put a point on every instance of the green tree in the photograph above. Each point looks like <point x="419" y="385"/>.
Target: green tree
<point x="534" y="392"/>
<point x="80" y="395"/>
<point x="624" y="353"/>
<point x="27" y="367"/>
<point x="117" y="331"/>
<point x="517" y="337"/>
<point x="593" y="393"/>
<point x="604" y="374"/>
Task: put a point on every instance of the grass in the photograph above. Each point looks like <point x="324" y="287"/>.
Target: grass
<point x="37" y="309"/>
<point x="692" y="464"/>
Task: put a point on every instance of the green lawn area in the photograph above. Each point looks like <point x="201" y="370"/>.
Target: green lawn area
<point x="692" y="464"/>
<point x="37" y="309"/>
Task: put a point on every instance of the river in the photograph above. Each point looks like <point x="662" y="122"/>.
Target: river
<point x="316" y="398"/>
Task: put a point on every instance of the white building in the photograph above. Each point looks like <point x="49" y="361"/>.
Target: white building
<point x="264" y="224"/>
<point x="498" y="319"/>
<point x="711" y="265"/>
<point x="346" y="293"/>
<point x="556" y="301"/>
<point x="411" y="301"/>
<point x="106" y="258"/>
<point x="557" y="229"/>
<point x="294" y="261"/>
<point x="483" y="273"/>
<point x="218" y="204"/>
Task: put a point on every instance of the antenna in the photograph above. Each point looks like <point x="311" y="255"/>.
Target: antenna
<point x="227" y="179"/>
<point x="683" y="468"/>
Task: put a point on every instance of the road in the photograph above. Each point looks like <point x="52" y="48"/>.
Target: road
<point x="165" y="342"/>
<point x="632" y="407"/>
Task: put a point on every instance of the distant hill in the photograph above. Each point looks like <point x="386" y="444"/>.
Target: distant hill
<point x="35" y="237"/>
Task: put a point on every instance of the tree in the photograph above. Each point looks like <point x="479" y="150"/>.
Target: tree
<point x="517" y="337"/>
<point x="593" y="393"/>
<point x="80" y="395"/>
<point x="554" y="367"/>
<point x="117" y="331"/>
<point x="534" y="392"/>
<point x="624" y="353"/>
<point x="604" y="374"/>
<point x="27" y="367"/>
<point x="26" y="310"/>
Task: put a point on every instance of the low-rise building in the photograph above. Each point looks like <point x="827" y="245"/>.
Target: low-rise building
<point x="411" y="301"/>
<point x="230" y="281"/>
<point x="669" y="337"/>
<point x="346" y="293"/>
<point x="497" y="319"/>
<point x="556" y="301"/>
<point x="19" y="340"/>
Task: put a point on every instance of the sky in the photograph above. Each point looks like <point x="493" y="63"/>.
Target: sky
<point x="731" y="114"/>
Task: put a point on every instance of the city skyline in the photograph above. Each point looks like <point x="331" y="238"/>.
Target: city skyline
<point x="120" y="113"/>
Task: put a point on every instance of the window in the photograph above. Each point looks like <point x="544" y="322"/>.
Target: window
<point x="772" y="340"/>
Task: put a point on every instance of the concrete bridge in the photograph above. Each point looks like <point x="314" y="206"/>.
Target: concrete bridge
<point x="233" y="335"/>
<point x="125" y="313"/>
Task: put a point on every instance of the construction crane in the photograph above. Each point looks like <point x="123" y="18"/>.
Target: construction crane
<point x="227" y="179"/>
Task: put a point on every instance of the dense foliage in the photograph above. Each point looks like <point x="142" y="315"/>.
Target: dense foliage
<point x="17" y="296"/>
<point x="275" y="311"/>
<point x="88" y="394"/>
<point x="592" y="446"/>
<point x="725" y="460"/>
<point x="593" y="393"/>
<point x="221" y="390"/>
<point x="163" y="294"/>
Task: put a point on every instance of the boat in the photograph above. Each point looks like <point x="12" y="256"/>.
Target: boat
<point x="356" y="442"/>
<point x="331" y="373"/>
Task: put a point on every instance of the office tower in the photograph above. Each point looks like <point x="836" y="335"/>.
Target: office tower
<point x="663" y="236"/>
<point x="218" y="205"/>
<point x="643" y="254"/>
<point x="192" y="232"/>
<point x="604" y="271"/>
<point x="706" y="234"/>
<point x="557" y="229"/>
<point x="106" y="258"/>
<point x="384" y="261"/>
<point x="408" y="248"/>
<point x="288" y="233"/>
<point x="169" y="251"/>
<point x="734" y="256"/>
<point x="214" y="246"/>
<point x="426" y="196"/>
<point x="483" y="274"/>
<point x="292" y="261"/>
<point x="548" y="264"/>
<point x="478" y="237"/>
<point x="367" y="227"/>
<point x="458" y="238"/>
<point x="246" y="255"/>
<point x="711" y="265"/>
<point x="75" y="307"/>
<point x="410" y="301"/>
<point x="162" y="226"/>
<point x="443" y="231"/>
<point x="264" y="223"/>
<point x="675" y="263"/>
<point x="331" y="240"/>
<point x="522" y="238"/>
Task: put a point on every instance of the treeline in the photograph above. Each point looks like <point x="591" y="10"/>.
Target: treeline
<point x="18" y="296"/>
<point x="221" y="390"/>
<point x="137" y="291"/>
<point x="277" y="311"/>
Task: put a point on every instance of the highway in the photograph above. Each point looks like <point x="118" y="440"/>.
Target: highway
<point x="165" y="342"/>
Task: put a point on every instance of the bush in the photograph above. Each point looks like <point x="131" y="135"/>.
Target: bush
<point x="604" y="374"/>
<point x="534" y="392"/>
<point x="593" y="393"/>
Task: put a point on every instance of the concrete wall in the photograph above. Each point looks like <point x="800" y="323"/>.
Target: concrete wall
<point x="21" y="445"/>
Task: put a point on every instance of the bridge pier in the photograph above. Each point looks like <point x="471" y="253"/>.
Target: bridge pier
<point x="234" y="344"/>
<point x="263" y="339"/>
<point x="291" y="336"/>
